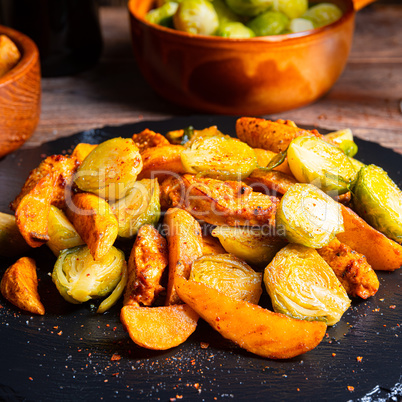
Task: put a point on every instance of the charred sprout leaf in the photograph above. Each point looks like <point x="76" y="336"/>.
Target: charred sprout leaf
<point x="11" y="241"/>
<point x="344" y="140"/>
<point x="163" y="15"/>
<point x="252" y="245"/>
<point x="62" y="233"/>
<point x="313" y="160"/>
<point x="302" y="285"/>
<point x="139" y="207"/>
<point x="219" y="157"/>
<point x="110" y="169"/>
<point x="378" y="200"/>
<point x="229" y="275"/>
<point x="79" y="278"/>
<point x="308" y="216"/>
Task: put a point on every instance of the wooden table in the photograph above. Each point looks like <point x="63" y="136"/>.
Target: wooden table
<point x="366" y="98"/>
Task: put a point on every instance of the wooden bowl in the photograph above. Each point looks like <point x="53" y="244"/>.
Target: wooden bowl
<point x="255" y="76"/>
<point x="19" y="95"/>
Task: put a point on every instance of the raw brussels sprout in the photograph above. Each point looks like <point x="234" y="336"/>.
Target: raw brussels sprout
<point x="234" y="30"/>
<point x="196" y="17"/>
<point x="313" y="160"/>
<point x="229" y="275"/>
<point x="269" y="23"/>
<point x="300" y="24"/>
<point x="302" y="285"/>
<point x="62" y="233"/>
<point x="291" y="8"/>
<point x="163" y="15"/>
<point x="139" y="207"/>
<point x="249" y="244"/>
<point x="308" y="216"/>
<point x="323" y="14"/>
<point x="11" y="241"/>
<point x="219" y="157"/>
<point x="225" y="14"/>
<point x="378" y="200"/>
<point x="344" y="140"/>
<point x="110" y="169"/>
<point x="79" y="278"/>
<point x="249" y="8"/>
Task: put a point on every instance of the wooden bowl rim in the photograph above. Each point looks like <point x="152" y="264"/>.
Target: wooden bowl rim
<point x="272" y="40"/>
<point x="29" y="55"/>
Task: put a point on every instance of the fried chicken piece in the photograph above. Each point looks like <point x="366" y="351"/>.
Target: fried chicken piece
<point x="148" y="260"/>
<point x="351" y="268"/>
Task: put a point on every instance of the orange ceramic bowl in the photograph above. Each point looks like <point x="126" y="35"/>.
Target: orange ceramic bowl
<point x="242" y="76"/>
<point x="19" y="95"/>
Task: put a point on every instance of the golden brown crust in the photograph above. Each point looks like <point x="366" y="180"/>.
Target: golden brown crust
<point x="149" y="139"/>
<point x="82" y="150"/>
<point x="270" y="182"/>
<point x="19" y="286"/>
<point x="351" y="268"/>
<point x="148" y="260"/>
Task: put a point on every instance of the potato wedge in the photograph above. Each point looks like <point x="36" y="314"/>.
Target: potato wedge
<point x="264" y="157"/>
<point x="82" y="150"/>
<point x="148" y="260"/>
<point x="270" y="182"/>
<point x="19" y="286"/>
<point x="351" y="268"/>
<point x="95" y="222"/>
<point x="9" y="54"/>
<point x="253" y="328"/>
<point x="149" y="139"/>
<point x="161" y="162"/>
<point x="159" y="328"/>
<point x="185" y="246"/>
<point x="274" y="136"/>
<point x="211" y="245"/>
<point x="381" y="252"/>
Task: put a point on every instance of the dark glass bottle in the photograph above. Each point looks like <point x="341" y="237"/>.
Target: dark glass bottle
<point x="67" y="32"/>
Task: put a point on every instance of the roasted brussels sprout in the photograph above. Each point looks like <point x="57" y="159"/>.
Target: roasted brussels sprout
<point x="62" y="233"/>
<point x="269" y="23"/>
<point x="291" y="8"/>
<point x="302" y="285"/>
<point x="323" y="14"/>
<point x="229" y="275"/>
<point x="234" y="30"/>
<point x="308" y="216"/>
<point x="313" y="160"/>
<point x="357" y="165"/>
<point x="378" y="200"/>
<point x="163" y="15"/>
<point x="219" y="157"/>
<point x="139" y="207"/>
<point x="249" y="8"/>
<point x="79" y="278"/>
<point x="196" y="17"/>
<point x="300" y="24"/>
<point x="110" y="169"/>
<point x="344" y="140"/>
<point x="252" y="245"/>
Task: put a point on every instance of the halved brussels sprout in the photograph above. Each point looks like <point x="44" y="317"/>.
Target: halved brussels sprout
<point x="252" y="245"/>
<point x="219" y="157"/>
<point x="302" y="285"/>
<point x="139" y="207"/>
<point x="229" y="275"/>
<point x="313" y="160"/>
<point x="344" y="140"/>
<point x="79" y="278"/>
<point x="308" y="216"/>
<point x="378" y="200"/>
<point x="62" y="233"/>
<point x="110" y="169"/>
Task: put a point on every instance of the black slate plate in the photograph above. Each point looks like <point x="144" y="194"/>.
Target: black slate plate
<point x="67" y="354"/>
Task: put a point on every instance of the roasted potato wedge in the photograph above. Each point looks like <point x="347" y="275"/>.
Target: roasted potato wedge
<point x="95" y="222"/>
<point x="159" y="328"/>
<point x="253" y="328"/>
<point x="185" y="246"/>
<point x="82" y="150"/>
<point x="148" y="260"/>
<point x="211" y="245"/>
<point x="270" y="182"/>
<point x="381" y="252"/>
<point x="264" y="157"/>
<point x="149" y="139"/>
<point x="19" y="286"/>
<point x="351" y="268"/>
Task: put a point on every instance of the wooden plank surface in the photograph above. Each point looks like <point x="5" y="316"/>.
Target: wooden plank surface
<point x="366" y="98"/>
